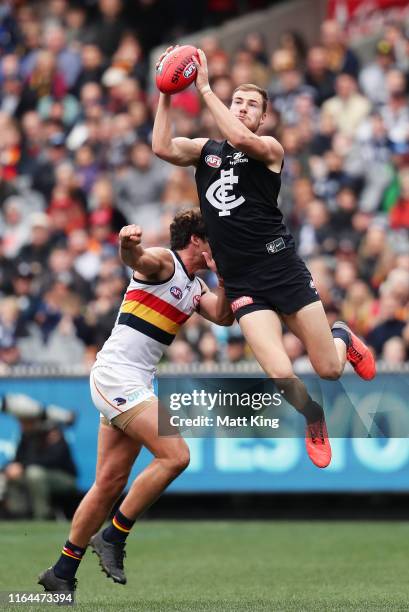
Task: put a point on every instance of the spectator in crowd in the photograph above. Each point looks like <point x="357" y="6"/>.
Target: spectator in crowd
<point x="44" y="79"/>
<point x="294" y="42"/>
<point x="388" y="324"/>
<point x="340" y="57"/>
<point x="357" y="307"/>
<point x="394" y="352"/>
<point x="208" y="349"/>
<point x="375" y="256"/>
<point x="395" y="111"/>
<point x="372" y="78"/>
<point x="235" y="349"/>
<point x="139" y="186"/>
<point x="67" y="60"/>
<point x="180" y="353"/>
<point x="91" y="67"/>
<point x="255" y="43"/>
<point x="42" y="467"/>
<point x="318" y="75"/>
<point x="12" y="328"/>
<point x="317" y="235"/>
<point x="394" y="34"/>
<point x="13" y="226"/>
<point x="287" y="85"/>
<point x="348" y="108"/>
<point x="369" y="162"/>
<point x="37" y="250"/>
<point x="108" y="28"/>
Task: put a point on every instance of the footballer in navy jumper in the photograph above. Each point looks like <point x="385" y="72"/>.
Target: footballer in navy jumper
<point x="238" y="182"/>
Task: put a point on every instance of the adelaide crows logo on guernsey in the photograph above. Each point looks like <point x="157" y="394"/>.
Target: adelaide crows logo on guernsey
<point x="218" y="193"/>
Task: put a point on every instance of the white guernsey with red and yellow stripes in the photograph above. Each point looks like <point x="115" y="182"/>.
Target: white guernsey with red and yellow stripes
<point x="149" y="318"/>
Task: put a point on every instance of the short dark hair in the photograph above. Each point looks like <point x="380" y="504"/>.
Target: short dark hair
<point x="252" y="87"/>
<point x="186" y="224"/>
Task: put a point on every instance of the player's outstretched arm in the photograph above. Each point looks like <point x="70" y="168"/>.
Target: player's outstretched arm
<point x="264" y="148"/>
<point x="214" y="305"/>
<point x="178" y="151"/>
<point x="151" y="263"/>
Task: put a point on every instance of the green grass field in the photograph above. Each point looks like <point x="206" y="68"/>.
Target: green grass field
<point x="226" y="566"/>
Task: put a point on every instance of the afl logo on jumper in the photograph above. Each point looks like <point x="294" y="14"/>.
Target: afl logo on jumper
<point x="176" y="292"/>
<point x="218" y="193"/>
<point x="214" y="161"/>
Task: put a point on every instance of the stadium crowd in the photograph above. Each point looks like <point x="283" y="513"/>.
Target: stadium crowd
<point x="76" y="113"/>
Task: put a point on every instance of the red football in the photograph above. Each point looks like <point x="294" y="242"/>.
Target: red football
<point x="177" y="70"/>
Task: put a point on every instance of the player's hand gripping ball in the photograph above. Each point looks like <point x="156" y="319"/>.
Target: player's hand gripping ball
<point x="176" y="70"/>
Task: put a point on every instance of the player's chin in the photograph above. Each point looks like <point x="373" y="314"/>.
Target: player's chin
<point x="247" y="122"/>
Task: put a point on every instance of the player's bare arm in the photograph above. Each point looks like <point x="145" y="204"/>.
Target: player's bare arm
<point x="247" y="106"/>
<point x="214" y="305"/>
<point x="154" y="263"/>
<point x="178" y="151"/>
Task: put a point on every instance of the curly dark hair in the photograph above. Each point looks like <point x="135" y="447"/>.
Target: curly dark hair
<point x="186" y="224"/>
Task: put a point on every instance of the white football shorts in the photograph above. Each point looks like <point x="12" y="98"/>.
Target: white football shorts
<point x="113" y="395"/>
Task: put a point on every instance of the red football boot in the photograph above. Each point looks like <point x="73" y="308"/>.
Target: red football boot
<point x="317" y="443"/>
<point x="358" y="354"/>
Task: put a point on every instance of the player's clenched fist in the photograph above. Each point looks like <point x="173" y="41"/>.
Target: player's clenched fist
<point x="130" y="235"/>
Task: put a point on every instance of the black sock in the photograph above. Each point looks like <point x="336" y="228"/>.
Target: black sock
<point x="69" y="561"/>
<point x="119" y="529"/>
<point x="312" y="411"/>
<point x="338" y="332"/>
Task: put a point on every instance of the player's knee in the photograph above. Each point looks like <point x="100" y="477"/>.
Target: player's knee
<point x="111" y="485"/>
<point x="179" y="461"/>
<point x="280" y="373"/>
<point x="329" y="370"/>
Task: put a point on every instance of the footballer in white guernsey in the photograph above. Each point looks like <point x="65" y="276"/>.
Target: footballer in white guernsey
<point x="162" y="294"/>
<point x="149" y="318"/>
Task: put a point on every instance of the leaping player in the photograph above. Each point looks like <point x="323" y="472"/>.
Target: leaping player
<point x="163" y="293"/>
<point x="238" y="182"/>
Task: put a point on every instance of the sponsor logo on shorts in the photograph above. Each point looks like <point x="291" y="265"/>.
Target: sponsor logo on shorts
<point x="176" y="292"/>
<point x="196" y="300"/>
<point x="189" y="70"/>
<point x="214" y="161"/>
<point x="120" y="401"/>
<point x="139" y="395"/>
<point x="244" y="300"/>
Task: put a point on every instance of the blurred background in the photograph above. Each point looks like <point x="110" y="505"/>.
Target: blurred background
<point x="77" y="103"/>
